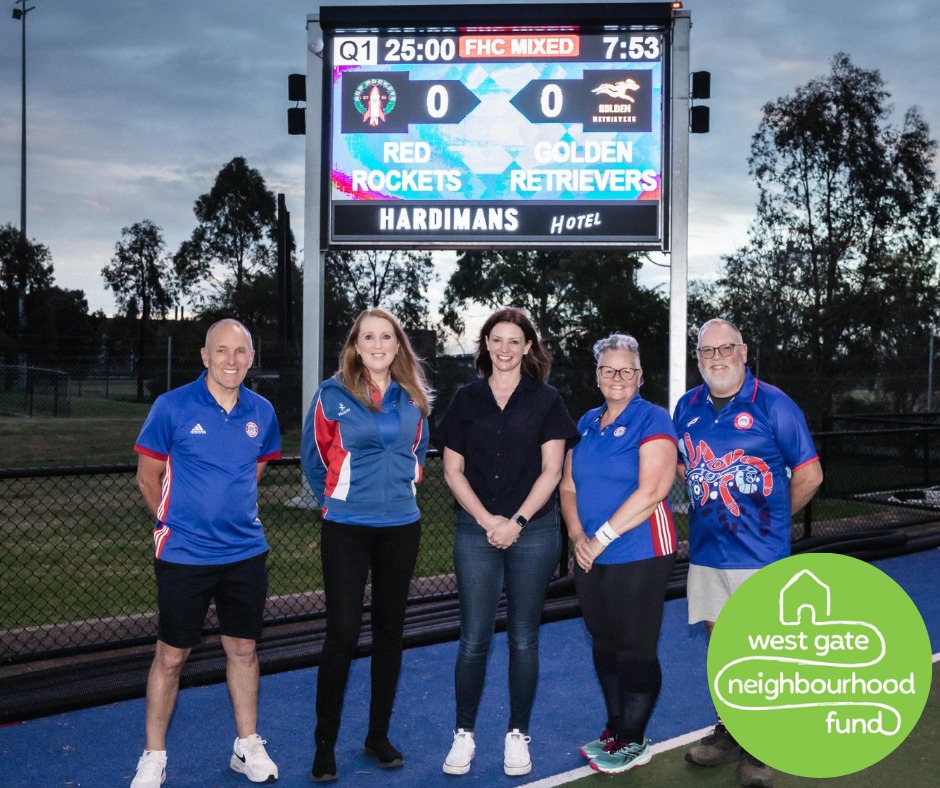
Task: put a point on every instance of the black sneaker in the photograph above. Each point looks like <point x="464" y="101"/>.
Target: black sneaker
<point x="380" y="750"/>
<point x="324" y="765"/>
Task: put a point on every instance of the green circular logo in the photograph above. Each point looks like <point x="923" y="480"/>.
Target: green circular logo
<point x="819" y="665"/>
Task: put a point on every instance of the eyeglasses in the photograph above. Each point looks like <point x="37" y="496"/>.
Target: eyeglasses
<point x="722" y="350"/>
<point x="609" y="373"/>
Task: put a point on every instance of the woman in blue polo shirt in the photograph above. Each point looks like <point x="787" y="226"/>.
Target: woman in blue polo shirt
<point x="504" y="437"/>
<point x="613" y="493"/>
<point x="363" y="449"/>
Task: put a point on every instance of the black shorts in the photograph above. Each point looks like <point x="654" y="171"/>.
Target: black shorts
<point x="184" y="593"/>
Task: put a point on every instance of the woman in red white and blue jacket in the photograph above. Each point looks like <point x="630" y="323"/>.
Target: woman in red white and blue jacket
<point x="363" y="447"/>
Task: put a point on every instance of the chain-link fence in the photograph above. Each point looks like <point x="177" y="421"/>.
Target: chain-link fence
<point x="34" y="391"/>
<point x="76" y="564"/>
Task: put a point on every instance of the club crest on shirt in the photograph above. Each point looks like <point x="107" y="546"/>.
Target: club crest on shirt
<point x="251" y="429"/>
<point x="743" y="421"/>
<point x="620" y="432"/>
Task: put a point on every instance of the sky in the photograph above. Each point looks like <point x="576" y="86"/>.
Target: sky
<point x="133" y="107"/>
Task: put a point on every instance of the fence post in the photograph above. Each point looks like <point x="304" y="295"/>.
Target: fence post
<point x="926" y="447"/>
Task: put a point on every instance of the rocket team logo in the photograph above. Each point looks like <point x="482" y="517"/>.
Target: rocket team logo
<point x="374" y="99"/>
<point x="743" y="421"/>
<point x="251" y="429"/>
<point x="620" y="431"/>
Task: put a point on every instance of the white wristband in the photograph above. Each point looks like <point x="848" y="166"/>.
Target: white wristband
<point x="606" y="534"/>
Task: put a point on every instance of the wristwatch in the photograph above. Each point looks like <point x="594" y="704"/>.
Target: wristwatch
<point x="523" y="521"/>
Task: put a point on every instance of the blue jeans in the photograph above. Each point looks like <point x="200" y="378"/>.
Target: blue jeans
<point x="482" y="570"/>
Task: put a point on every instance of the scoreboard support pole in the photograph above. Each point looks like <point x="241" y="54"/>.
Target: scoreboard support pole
<point x="679" y="207"/>
<point x="314" y="256"/>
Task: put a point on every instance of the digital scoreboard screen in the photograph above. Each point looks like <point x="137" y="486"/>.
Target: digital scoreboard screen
<point x="497" y="137"/>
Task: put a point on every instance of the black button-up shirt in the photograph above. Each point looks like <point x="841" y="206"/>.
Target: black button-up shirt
<point x="502" y="449"/>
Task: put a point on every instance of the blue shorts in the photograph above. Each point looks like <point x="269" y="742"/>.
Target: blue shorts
<point x="184" y="593"/>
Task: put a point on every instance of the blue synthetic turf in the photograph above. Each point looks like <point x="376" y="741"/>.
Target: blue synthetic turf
<point x="100" y="746"/>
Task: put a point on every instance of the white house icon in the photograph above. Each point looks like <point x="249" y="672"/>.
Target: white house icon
<point x="804" y="590"/>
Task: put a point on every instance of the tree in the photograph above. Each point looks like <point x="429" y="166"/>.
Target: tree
<point x="233" y="243"/>
<point x="846" y="201"/>
<point x="574" y="298"/>
<point x="25" y="268"/>
<point x="138" y="275"/>
<point x="360" y="279"/>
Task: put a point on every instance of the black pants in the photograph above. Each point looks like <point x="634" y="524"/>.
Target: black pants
<point x="622" y="606"/>
<point x="349" y="552"/>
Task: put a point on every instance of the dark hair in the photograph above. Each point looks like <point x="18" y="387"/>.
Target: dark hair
<point x="537" y="363"/>
<point x="406" y="369"/>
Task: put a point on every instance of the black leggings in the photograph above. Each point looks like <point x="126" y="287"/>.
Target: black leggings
<point x="349" y="552"/>
<point x="622" y="606"/>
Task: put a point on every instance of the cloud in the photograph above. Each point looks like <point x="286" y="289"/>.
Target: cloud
<point x="134" y="107"/>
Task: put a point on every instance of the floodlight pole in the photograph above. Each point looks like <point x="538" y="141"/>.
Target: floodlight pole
<point x="679" y="206"/>
<point x="20" y="13"/>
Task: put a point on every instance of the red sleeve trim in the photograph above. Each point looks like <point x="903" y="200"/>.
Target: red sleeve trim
<point x="149" y="453"/>
<point x="663" y="437"/>
<point x="272" y="456"/>
<point x="803" y="464"/>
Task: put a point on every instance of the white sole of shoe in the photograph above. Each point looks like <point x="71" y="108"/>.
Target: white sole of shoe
<point x="448" y="769"/>
<point x="238" y="765"/>
<point x="641" y="761"/>
<point x="517" y="771"/>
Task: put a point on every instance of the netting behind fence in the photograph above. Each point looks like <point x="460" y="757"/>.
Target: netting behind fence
<point x="76" y="564"/>
<point x="34" y="391"/>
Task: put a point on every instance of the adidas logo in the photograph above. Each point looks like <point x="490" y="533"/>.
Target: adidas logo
<point x="197" y="430"/>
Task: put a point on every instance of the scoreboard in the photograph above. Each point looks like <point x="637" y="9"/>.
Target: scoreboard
<point x="497" y="136"/>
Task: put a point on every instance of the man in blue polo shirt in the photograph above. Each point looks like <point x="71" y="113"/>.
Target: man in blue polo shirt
<point x="201" y="452"/>
<point x="748" y="462"/>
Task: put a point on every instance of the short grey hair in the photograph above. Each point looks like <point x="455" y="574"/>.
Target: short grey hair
<point x="718" y="321"/>
<point x="617" y="341"/>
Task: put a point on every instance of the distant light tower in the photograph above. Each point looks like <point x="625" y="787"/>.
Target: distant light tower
<point x="20" y="13"/>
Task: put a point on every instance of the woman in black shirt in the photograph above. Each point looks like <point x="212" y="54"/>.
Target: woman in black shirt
<point x="504" y="438"/>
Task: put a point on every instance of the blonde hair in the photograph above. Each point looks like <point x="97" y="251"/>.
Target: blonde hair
<point x="406" y="370"/>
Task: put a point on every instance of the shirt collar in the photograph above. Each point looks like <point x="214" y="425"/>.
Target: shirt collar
<point x="624" y="414"/>
<point x="205" y="396"/>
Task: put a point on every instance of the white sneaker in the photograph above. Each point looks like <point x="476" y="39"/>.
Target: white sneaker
<point x="151" y="769"/>
<point x="516" y="760"/>
<point x="251" y="759"/>
<point x="461" y="753"/>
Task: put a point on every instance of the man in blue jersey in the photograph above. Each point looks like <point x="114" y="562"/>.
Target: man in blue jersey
<point x="748" y="462"/>
<point x="201" y="452"/>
